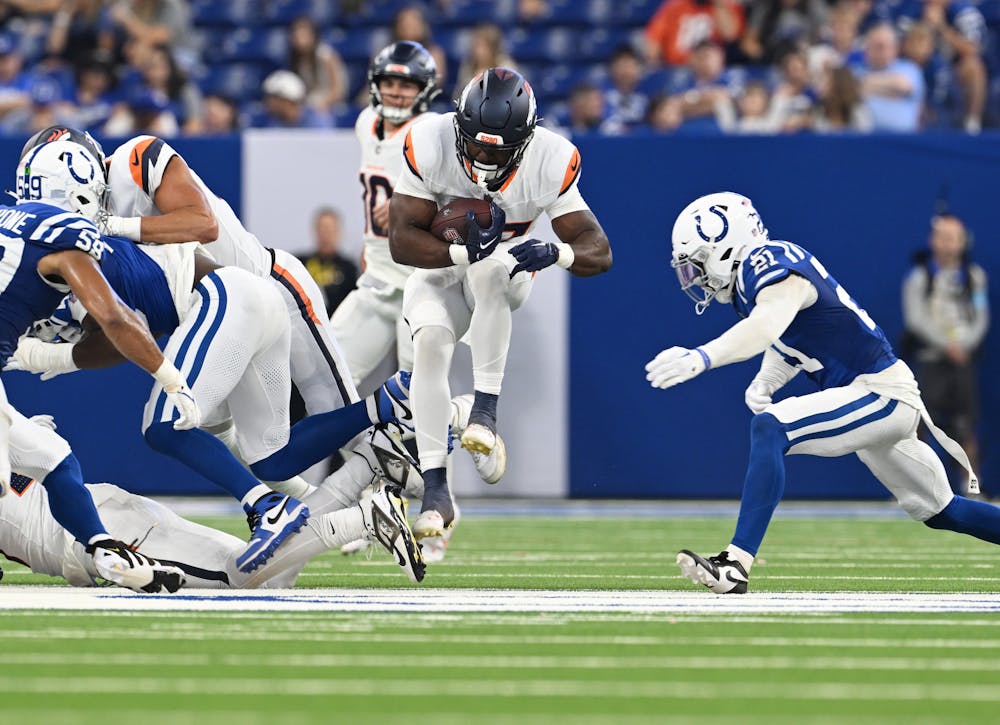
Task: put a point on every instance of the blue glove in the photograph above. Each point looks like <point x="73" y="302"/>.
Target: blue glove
<point x="481" y="242"/>
<point x="534" y="255"/>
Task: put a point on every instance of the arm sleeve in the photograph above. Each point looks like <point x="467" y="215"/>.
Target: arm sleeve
<point x="774" y="372"/>
<point x="776" y="307"/>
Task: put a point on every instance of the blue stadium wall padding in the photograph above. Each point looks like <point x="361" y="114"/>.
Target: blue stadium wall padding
<point x="861" y="204"/>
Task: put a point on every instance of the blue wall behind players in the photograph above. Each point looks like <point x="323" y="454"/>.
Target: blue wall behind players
<point x="862" y="205"/>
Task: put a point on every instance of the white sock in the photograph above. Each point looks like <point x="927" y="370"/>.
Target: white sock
<point x="340" y="527"/>
<point x="490" y="325"/>
<point x="430" y="395"/>
<point x="253" y="494"/>
<point x="737" y="554"/>
<point x="342" y="488"/>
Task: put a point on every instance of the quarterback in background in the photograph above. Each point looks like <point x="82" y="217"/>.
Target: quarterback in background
<point x="801" y="318"/>
<point x="489" y="147"/>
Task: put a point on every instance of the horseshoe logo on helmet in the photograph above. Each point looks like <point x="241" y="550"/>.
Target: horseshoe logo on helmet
<point x="717" y="210"/>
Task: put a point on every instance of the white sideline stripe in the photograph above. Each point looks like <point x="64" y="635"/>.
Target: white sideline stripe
<point x="497" y="688"/>
<point x="497" y="662"/>
<point x="499" y="600"/>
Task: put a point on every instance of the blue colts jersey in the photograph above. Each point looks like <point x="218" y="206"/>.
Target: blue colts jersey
<point x="29" y="232"/>
<point x="833" y="340"/>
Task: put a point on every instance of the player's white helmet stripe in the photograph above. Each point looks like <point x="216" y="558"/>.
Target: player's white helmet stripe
<point x="710" y="238"/>
<point x="64" y="174"/>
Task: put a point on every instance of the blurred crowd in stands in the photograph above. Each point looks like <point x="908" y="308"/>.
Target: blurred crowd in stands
<point x="190" y="67"/>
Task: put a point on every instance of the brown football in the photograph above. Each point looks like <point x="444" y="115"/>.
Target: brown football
<point x="449" y="224"/>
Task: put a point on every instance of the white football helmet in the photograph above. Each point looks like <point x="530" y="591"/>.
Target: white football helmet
<point x="710" y="239"/>
<point x="63" y="174"/>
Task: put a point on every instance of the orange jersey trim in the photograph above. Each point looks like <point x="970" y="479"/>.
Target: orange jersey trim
<point x="572" y="171"/>
<point x="409" y="156"/>
<point x="509" y="179"/>
<point x="284" y="274"/>
<point x="136" y="160"/>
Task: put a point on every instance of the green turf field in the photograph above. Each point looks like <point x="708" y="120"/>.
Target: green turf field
<point x="177" y="667"/>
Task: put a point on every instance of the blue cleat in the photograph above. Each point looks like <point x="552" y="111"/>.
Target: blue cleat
<point x="273" y="518"/>
<point x="393" y="400"/>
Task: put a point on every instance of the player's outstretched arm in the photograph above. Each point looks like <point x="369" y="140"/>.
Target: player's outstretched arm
<point x="185" y="215"/>
<point x="410" y="242"/>
<point x="125" y="329"/>
<point x="590" y="247"/>
<point x="776" y="306"/>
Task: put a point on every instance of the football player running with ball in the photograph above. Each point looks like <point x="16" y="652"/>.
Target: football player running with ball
<point x="489" y="147"/>
<point x="800" y="318"/>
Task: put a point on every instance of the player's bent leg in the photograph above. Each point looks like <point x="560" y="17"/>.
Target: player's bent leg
<point x="915" y="475"/>
<point x="317" y="362"/>
<point x="487" y="285"/>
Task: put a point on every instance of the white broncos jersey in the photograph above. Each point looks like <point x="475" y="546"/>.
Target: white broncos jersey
<point x="381" y="164"/>
<point x="545" y="181"/>
<point x="135" y="174"/>
<point x="31" y="536"/>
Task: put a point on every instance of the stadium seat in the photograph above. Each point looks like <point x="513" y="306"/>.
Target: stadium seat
<point x="232" y="13"/>
<point x="596" y="46"/>
<point x="594" y="13"/>
<point x="239" y="81"/>
<point x="469" y="13"/>
<point x="282" y="12"/>
<point x="357" y="44"/>
<point x="265" y="44"/>
<point x="635" y="13"/>
<point x="541" y="44"/>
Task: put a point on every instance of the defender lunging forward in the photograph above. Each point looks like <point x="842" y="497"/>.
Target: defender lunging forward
<point x="801" y="318"/>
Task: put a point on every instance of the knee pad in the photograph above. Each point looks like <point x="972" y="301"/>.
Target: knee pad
<point x="488" y="277"/>
<point x="767" y="430"/>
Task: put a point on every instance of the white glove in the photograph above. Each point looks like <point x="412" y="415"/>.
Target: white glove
<point x="675" y="365"/>
<point x="178" y="393"/>
<point x="48" y="358"/>
<point x="46" y="421"/>
<point x="757" y="396"/>
<point x="183" y="399"/>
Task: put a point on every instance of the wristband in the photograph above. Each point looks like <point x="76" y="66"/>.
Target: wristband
<point x="61" y="358"/>
<point x="459" y="254"/>
<point x="566" y="255"/>
<point x="704" y="357"/>
<point x="129" y="227"/>
<point x="169" y="377"/>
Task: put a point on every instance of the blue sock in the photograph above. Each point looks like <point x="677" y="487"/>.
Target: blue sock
<point x="435" y="478"/>
<point x="975" y="518"/>
<point x="312" y="439"/>
<point x="764" y="483"/>
<point x="70" y="502"/>
<point x="204" y="453"/>
<point x="484" y="410"/>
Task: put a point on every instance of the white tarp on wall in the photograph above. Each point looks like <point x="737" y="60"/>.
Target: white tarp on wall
<point x="288" y="175"/>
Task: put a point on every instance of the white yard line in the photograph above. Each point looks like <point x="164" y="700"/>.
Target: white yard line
<point x="472" y="600"/>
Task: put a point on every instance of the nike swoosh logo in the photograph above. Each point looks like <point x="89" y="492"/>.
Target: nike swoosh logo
<point x="135" y="157"/>
<point x="575" y="164"/>
<point x="281" y="511"/>
<point x="737" y="580"/>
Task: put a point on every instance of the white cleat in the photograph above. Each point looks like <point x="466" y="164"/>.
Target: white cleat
<point x="719" y="573"/>
<point x="120" y="564"/>
<point x="384" y="513"/>
<point x="435" y="547"/>
<point x="492" y="466"/>
<point x="428" y="524"/>
<point x="478" y="438"/>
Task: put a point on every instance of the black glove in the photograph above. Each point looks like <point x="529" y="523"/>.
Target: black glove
<point x="480" y="242"/>
<point x="533" y="255"/>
